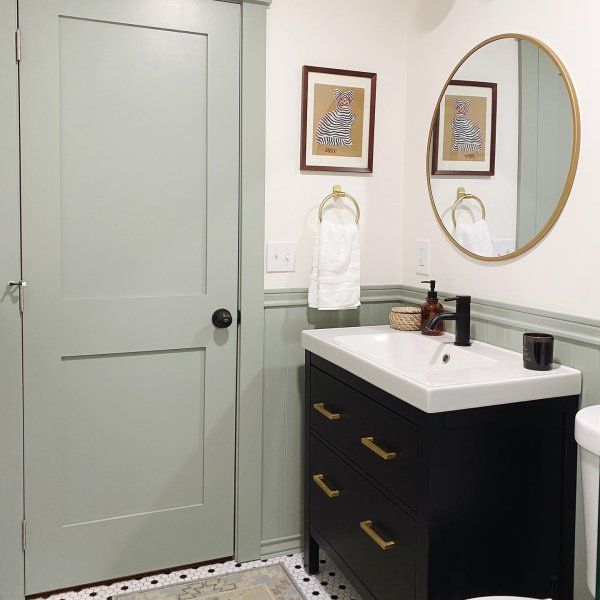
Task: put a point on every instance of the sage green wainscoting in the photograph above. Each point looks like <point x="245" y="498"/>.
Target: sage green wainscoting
<point x="287" y="314"/>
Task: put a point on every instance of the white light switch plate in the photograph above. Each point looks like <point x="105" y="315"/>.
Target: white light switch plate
<point x="422" y="257"/>
<point x="281" y="257"/>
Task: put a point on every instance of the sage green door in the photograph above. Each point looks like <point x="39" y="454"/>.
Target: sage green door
<point x="130" y="143"/>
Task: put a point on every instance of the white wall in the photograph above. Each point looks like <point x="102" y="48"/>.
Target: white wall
<point x="560" y="273"/>
<point x="498" y="63"/>
<point x="347" y="34"/>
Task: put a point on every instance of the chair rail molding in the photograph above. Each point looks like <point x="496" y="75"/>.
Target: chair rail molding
<point x="569" y="327"/>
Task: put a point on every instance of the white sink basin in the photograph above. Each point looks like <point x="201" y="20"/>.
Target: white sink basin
<point x="415" y="353"/>
<point x="433" y="374"/>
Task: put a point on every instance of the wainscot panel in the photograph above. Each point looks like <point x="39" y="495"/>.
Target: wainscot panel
<point x="287" y="314"/>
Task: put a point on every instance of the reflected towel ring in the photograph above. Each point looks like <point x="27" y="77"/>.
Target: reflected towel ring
<point x="336" y="194"/>
<point x="460" y="196"/>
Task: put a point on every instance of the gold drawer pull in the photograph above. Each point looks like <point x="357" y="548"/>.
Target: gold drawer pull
<point x="367" y="527"/>
<point x="320" y="407"/>
<point x="318" y="479"/>
<point x="371" y="445"/>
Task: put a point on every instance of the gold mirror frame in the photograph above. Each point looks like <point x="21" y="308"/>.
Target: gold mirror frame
<point x="574" y="153"/>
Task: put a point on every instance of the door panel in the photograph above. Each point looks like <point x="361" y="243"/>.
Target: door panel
<point x="122" y="386"/>
<point x="143" y="178"/>
<point x="130" y="143"/>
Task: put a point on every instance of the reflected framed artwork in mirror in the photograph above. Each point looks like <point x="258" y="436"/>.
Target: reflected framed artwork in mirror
<point x="503" y="147"/>
<point x="464" y="132"/>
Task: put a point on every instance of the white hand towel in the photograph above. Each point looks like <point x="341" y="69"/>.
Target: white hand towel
<point x="335" y="276"/>
<point x="475" y="237"/>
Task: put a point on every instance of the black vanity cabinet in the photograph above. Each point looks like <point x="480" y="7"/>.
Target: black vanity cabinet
<point x="444" y="506"/>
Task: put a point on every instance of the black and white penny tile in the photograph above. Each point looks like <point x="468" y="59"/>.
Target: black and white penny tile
<point x="328" y="584"/>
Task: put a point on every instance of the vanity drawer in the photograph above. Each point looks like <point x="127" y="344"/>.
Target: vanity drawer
<point x="379" y="441"/>
<point x="357" y="520"/>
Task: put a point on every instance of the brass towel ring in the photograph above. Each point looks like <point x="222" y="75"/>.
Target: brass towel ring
<point x="460" y="196"/>
<point x="336" y="194"/>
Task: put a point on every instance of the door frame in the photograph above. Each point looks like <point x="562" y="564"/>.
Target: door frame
<point x="11" y="391"/>
<point x="248" y="483"/>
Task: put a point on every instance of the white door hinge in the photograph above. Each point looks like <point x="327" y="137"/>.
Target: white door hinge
<point x="24" y="534"/>
<point x="21" y="285"/>
<point x="18" y="45"/>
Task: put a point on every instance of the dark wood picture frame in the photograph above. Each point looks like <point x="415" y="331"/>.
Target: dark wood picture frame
<point x="435" y="144"/>
<point x="304" y="126"/>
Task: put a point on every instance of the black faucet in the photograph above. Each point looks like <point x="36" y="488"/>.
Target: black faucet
<point x="462" y="316"/>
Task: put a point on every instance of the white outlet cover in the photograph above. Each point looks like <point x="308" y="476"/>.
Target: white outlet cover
<point x="281" y="257"/>
<point x="422" y="257"/>
<point x="502" y="247"/>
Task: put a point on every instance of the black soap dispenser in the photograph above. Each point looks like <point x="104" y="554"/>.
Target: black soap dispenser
<point x="429" y="309"/>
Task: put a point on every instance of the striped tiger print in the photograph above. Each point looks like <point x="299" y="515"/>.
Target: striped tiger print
<point x="467" y="134"/>
<point x="334" y="127"/>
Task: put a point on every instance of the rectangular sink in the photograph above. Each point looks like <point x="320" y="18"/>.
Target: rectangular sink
<point x="415" y="353"/>
<point x="433" y="374"/>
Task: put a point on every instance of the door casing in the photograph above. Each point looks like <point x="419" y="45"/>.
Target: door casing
<point x="11" y="405"/>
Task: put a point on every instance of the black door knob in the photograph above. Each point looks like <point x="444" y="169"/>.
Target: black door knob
<point x="222" y="318"/>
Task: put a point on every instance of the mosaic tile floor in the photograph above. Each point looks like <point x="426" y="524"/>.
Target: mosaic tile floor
<point x="329" y="584"/>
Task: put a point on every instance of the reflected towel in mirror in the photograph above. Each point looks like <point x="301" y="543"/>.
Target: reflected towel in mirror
<point x="475" y="237"/>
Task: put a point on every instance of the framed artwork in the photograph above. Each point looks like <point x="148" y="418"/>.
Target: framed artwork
<point x="338" y="120"/>
<point x="464" y="131"/>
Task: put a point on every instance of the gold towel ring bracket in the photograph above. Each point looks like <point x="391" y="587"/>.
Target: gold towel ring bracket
<point x="460" y="196"/>
<point x="337" y="194"/>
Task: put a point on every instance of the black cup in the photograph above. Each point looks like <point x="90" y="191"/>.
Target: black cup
<point x="538" y="351"/>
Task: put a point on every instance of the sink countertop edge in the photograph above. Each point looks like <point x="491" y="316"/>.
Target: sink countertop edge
<point x="431" y="399"/>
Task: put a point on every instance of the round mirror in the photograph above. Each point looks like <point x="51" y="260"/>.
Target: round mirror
<point x="503" y="147"/>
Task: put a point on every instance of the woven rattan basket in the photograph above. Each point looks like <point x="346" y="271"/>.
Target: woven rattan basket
<point x="406" y="318"/>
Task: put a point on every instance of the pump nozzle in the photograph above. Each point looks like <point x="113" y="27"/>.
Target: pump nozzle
<point x="431" y="293"/>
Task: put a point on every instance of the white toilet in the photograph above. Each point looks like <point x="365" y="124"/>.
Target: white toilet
<point x="587" y="434"/>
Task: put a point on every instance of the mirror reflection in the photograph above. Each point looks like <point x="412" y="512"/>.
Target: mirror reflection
<point x="503" y="148"/>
